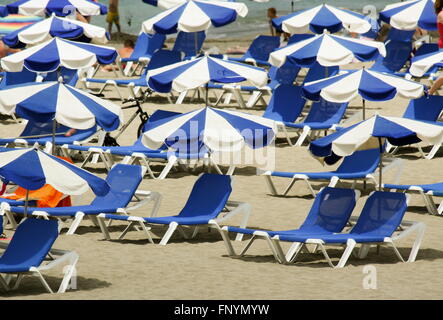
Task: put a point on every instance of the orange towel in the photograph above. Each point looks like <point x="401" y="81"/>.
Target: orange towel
<point x="46" y="196"/>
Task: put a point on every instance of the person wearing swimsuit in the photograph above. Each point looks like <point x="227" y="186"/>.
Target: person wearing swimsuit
<point x="439" y="11"/>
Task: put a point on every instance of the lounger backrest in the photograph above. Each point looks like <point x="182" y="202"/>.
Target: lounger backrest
<point x="163" y="58"/>
<point x="326" y="112"/>
<point x="70" y="76"/>
<point x="185" y="42"/>
<point x="360" y="161"/>
<point x="286" y="103"/>
<point x="123" y="180"/>
<point x="317" y="72"/>
<point x="331" y="210"/>
<point x="147" y="44"/>
<point x="381" y="214"/>
<point x="400" y="35"/>
<point x="299" y="37"/>
<point x="30" y="244"/>
<point x="426" y="48"/>
<point x="424" y="108"/>
<point x="14" y="78"/>
<point x="397" y="54"/>
<point x="286" y="74"/>
<point x="41" y="128"/>
<point x="261" y="47"/>
<point x="208" y="196"/>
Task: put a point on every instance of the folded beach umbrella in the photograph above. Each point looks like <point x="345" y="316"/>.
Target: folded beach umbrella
<point x="60" y="8"/>
<point x="328" y="50"/>
<point x="370" y="85"/>
<point x="421" y="64"/>
<point x="373" y="133"/>
<point x="69" y="106"/>
<point x="56" y="27"/>
<point x="32" y="169"/>
<point x="409" y="15"/>
<point x="217" y="130"/>
<point x="14" y="22"/>
<point x="321" y="18"/>
<point x="51" y="55"/>
<point x="195" y="16"/>
<point x="194" y="73"/>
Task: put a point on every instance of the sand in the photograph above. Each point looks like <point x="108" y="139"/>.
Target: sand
<point x="201" y="269"/>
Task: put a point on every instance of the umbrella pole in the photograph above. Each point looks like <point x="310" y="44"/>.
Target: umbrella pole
<point x="292" y="5"/>
<point x="54" y="129"/>
<point x="207" y="96"/>
<point x="364" y="109"/>
<point x="195" y="43"/>
<point x="26" y="203"/>
<point x="380" y="164"/>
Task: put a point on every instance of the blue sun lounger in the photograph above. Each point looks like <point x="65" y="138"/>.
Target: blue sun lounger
<point x="30" y="253"/>
<point x="145" y="46"/>
<point x="207" y="205"/>
<point x="329" y="214"/>
<point x="159" y="59"/>
<point x="186" y="41"/>
<point x="380" y="223"/>
<point x="427" y="191"/>
<point x="123" y="181"/>
<point x="323" y="115"/>
<point x="259" y="50"/>
<point x="361" y="165"/>
<point x="41" y="134"/>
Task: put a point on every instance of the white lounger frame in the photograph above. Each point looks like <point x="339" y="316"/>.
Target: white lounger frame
<point x="427" y="198"/>
<point x="141" y="198"/>
<point x="388" y="163"/>
<point x="233" y="208"/>
<point x="54" y="259"/>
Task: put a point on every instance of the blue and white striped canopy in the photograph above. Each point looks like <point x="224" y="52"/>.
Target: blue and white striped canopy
<point x="421" y="64"/>
<point x="60" y="8"/>
<point x="56" y="27"/>
<point x="320" y="18"/>
<point x="51" y="55"/>
<point x="366" y="134"/>
<point x="195" y="16"/>
<point x="327" y="50"/>
<point x="409" y="15"/>
<point x="43" y="102"/>
<point x="32" y="169"/>
<point x="370" y="85"/>
<point x="192" y="74"/>
<point x="217" y="130"/>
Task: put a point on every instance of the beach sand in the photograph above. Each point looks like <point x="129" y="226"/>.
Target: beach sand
<point x="201" y="269"/>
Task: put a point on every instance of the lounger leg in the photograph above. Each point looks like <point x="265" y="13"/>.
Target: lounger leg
<point x="289" y="187"/>
<point x="350" y="245"/>
<point x="126" y="230"/>
<point x="303" y="136"/>
<point x="434" y="150"/>
<point x="364" y="250"/>
<point x="77" y="220"/>
<point x="3" y="283"/>
<point x="293" y="250"/>
<point x="42" y="280"/>
<point x="247" y="246"/>
<point x="104" y="229"/>
<point x="146" y="230"/>
<point x="271" y="185"/>
<point x="397" y="253"/>
<point x="195" y="232"/>
<point x="417" y="243"/>
<point x="18" y="280"/>
<point x="276" y="249"/>
<point x="226" y="240"/>
<point x="168" y="234"/>
<point x="171" y="162"/>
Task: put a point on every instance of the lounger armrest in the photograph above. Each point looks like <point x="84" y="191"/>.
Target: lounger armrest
<point x="409" y="227"/>
<point x="62" y="257"/>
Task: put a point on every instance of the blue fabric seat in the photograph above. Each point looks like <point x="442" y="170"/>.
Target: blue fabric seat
<point x="26" y="253"/>
<point x="259" y="50"/>
<point x="123" y="181"/>
<point x="186" y="42"/>
<point x="145" y="46"/>
<point x="359" y="165"/>
<point x="286" y="104"/>
<point x="329" y="213"/>
<point x="69" y="76"/>
<point x="380" y="217"/>
<point x="208" y="198"/>
<point x="15" y="78"/>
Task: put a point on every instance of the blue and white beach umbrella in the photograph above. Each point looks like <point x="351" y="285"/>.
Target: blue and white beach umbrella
<point x="56" y="27"/>
<point x="195" y="16"/>
<point x="47" y="101"/>
<point x="370" y="85"/>
<point x="321" y="18"/>
<point x="217" y="130"/>
<point x="51" y="55"/>
<point x="421" y="64"/>
<point x="167" y="4"/>
<point x="409" y="15"/>
<point x="373" y="133"/>
<point x="32" y="169"/>
<point x="192" y="74"/>
<point x="327" y="50"/>
<point x="60" y="8"/>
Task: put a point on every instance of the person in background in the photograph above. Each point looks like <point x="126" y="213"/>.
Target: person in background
<point x="272" y="14"/>
<point x="438" y="6"/>
<point x="125" y="52"/>
<point x="5" y="50"/>
<point x="113" y="16"/>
